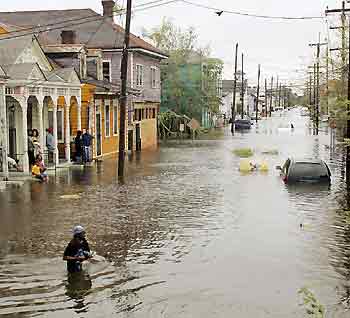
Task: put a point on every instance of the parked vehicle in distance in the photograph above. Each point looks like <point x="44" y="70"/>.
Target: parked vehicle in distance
<point x="305" y="170"/>
<point x="242" y="124"/>
<point x="253" y="117"/>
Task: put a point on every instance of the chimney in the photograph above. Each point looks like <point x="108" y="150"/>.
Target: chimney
<point x="108" y="8"/>
<point x="68" y="37"/>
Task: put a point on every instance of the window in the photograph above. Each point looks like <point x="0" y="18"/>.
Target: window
<point x="139" y="75"/>
<point x="138" y="115"/>
<point x="146" y="117"/>
<point x="153" y="113"/>
<point x="60" y="124"/>
<point x="107" y="119"/>
<point x="106" y="67"/>
<point x="115" y="118"/>
<point x="154" y="77"/>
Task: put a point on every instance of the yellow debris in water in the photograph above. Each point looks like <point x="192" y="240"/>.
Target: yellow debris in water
<point x="70" y="196"/>
<point x="244" y="166"/>
<point x="264" y="167"/>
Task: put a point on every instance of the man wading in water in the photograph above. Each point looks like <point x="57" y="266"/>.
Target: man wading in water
<point x="77" y="250"/>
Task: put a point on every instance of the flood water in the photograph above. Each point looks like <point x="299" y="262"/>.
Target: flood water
<point x="187" y="235"/>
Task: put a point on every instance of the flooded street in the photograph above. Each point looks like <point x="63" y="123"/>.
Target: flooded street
<point x="187" y="235"/>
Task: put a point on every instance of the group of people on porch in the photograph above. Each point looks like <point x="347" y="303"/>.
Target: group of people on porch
<point x="82" y="142"/>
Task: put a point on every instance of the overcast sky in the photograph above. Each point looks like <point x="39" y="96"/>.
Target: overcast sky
<point x="280" y="46"/>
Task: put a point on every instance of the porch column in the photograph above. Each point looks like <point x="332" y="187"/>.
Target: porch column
<point x="55" y="155"/>
<point x="79" y="113"/>
<point x="3" y="132"/>
<point x="41" y="123"/>
<point x="67" y="131"/>
<point x="23" y="102"/>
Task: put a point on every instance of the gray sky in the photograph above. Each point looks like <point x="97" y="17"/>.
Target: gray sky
<point x="281" y="47"/>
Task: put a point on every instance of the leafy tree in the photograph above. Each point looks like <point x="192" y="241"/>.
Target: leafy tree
<point x="189" y="76"/>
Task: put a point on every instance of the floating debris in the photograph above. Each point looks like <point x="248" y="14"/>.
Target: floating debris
<point x="243" y="152"/>
<point x="270" y="152"/>
<point x="70" y="196"/>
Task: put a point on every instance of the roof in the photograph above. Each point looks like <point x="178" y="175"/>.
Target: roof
<point x="20" y="71"/>
<point x="307" y="160"/>
<point x="2" y="73"/>
<point x="92" y="29"/>
<point x="10" y="49"/>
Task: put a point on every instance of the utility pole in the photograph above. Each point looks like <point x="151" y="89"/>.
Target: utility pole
<point x="315" y="98"/>
<point x="310" y="87"/>
<point x="342" y="11"/>
<point x="348" y="121"/>
<point x="276" y="93"/>
<point x="266" y="98"/>
<point x="317" y="86"/>
<point x="257" y="96"/>
<point x="327" y="80"/>
<point x="123" y="94"/>
<point x="233" y="110"/>
<point x="271" y="95"/>
<point x="279" y="95"/>
<point x="242" y="89"/>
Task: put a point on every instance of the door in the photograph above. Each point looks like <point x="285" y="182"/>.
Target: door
<point x="12" y="143"/>
<point x="98" y="135"/>
<point x="138" y="137"/>
<point x="12" y="135"/>
<point x="130" y="140"/>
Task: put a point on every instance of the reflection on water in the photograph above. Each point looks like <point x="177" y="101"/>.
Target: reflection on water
<point x="186" y="235"/>
<point x="78" y="285"/>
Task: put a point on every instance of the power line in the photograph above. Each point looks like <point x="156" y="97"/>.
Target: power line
<point x="39" y="28"/>
<point x="251" y="14"/>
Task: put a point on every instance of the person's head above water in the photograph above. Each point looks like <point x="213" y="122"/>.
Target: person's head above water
<point x="78" y="231"/>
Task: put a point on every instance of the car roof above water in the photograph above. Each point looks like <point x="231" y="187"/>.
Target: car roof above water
<point x="306" y="160"/>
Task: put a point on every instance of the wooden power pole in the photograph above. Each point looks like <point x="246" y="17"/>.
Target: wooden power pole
<point x="266" y="112"/>
<point x="271" y="95"/>
<point x="343" y="18"/>
<point x="257" y="96"/>
<point x="242" y="88"/>
<point x="233" y="110"/>
<point x="123" y="94"/>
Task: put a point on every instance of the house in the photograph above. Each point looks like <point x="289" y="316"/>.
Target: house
<point x="193" y="88"/>
<point x="93" y="47"/>
<point x="227" y="99"/>
<point x="37" y="96"/>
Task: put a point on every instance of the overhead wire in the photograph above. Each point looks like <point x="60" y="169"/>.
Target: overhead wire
<point x="89" y="18"/>
<point x="253" y="15"/>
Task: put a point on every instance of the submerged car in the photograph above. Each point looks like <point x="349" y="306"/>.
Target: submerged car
<point x="305" y="170"/>
<point x="242" y="124"/>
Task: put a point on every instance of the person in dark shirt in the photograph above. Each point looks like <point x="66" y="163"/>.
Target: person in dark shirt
<point x="77" y="250"/>
<point x="87" y="142"/>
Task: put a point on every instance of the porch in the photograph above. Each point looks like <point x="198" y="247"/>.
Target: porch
<point x="40" y="108"/>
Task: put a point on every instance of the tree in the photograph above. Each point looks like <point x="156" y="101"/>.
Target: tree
<point x="189" y="76"/>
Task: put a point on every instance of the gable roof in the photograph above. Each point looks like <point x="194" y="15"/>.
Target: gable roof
<point x="92" y="29"/>
<point x="23" y="71"/>
<point x="11" y="49"/>
<point x="2" y="73"/>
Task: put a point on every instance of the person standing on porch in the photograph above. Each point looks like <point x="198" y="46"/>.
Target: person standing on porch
<point x="36" y="142"/>
<point x="87" y="141"/>
<point x="78" y="141"/>
<point x="31" y="155"/>
<point x="50" y="144"/>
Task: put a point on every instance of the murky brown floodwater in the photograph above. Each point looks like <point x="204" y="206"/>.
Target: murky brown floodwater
<point x="186" y="236"/>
